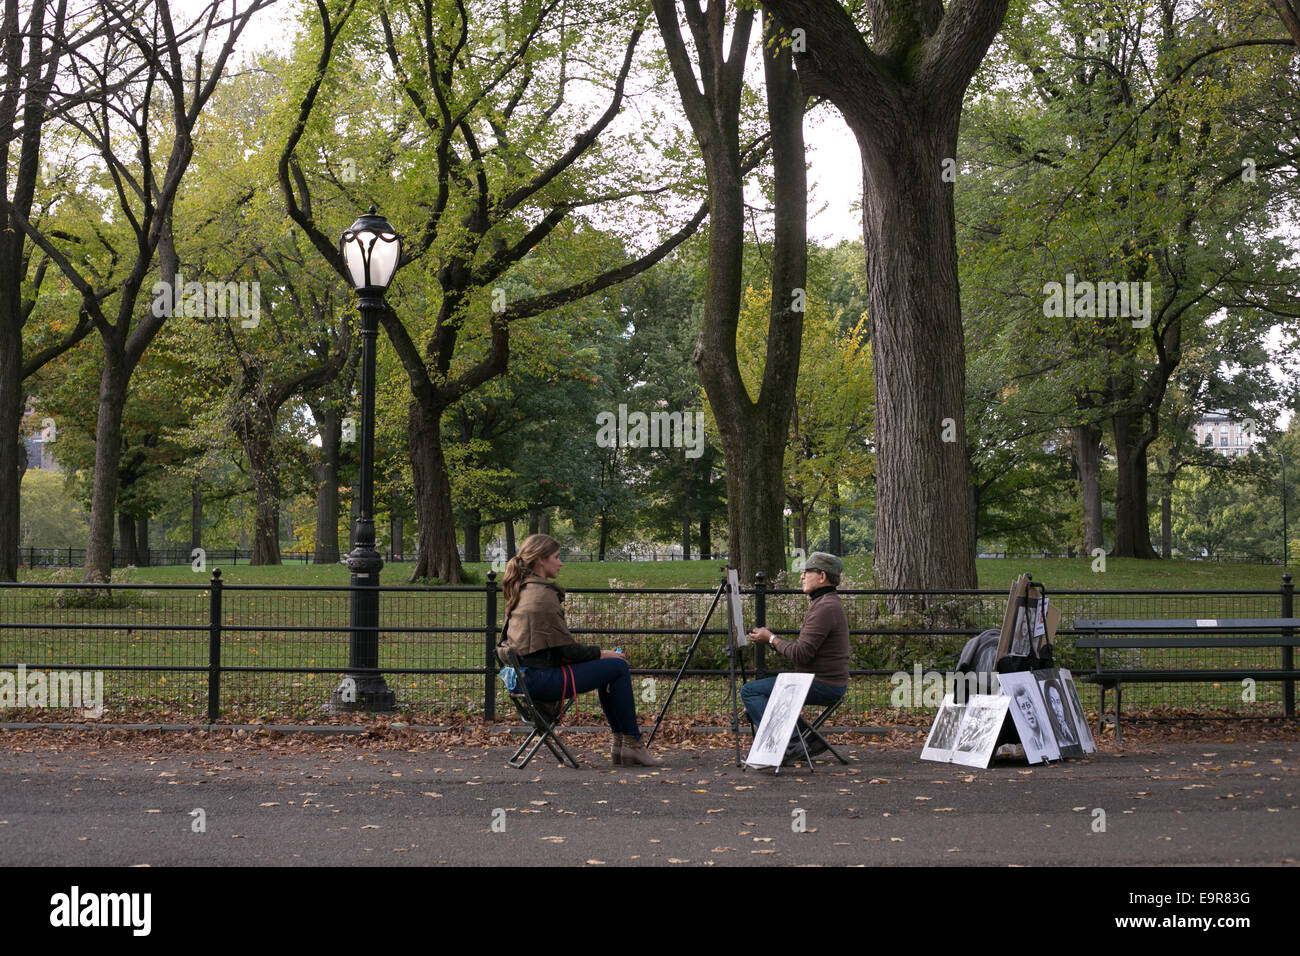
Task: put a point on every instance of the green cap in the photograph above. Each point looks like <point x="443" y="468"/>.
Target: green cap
<point x="821" y="561"/>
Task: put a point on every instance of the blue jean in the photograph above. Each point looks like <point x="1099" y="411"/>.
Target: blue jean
<point x="754" y="696"/>
<point x="609" y="677"/>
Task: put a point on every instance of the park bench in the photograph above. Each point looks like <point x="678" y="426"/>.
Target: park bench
<point x="1221" y="633"/>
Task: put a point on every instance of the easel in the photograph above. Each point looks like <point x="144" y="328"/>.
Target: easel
<point x="733" y="651"/>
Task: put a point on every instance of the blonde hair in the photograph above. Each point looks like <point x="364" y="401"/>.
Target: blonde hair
<point x="535" y="546"/>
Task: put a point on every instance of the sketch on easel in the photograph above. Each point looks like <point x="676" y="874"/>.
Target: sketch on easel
<point x="734" y="618"/>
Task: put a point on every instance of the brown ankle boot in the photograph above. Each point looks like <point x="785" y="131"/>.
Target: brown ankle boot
<point x="635" y="754"/>
<point x="616" y="750"/>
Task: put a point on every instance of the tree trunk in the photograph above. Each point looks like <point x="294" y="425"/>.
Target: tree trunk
<point x="603" y="545"/>
<point x="544" y="522"/>
<point x="196" y="516"/>
<point x="396" y="549"/>
<point x="686" y="512"/>
<point x="473" y="539"/>
<point x="753" y="432"/>
<point x="11" y="443"/>
<point x="836" y="543"/>
<point x="108" y="457"/>
<point x="1166" y="517"/>
<point x="327" y="485"/>
<point x="511" y="547"/>
<point x="266" y="492"/>
<point x="126" y="539"/>
<point x="1086" y="453"/>
<point x="439" y="557"/>
<point x="142" y="541"/>
<point x="923" y="530"/>
<point x="534" y="520"/>
<point x="902" y="97"/>
<point x="706" y="537"/>
<point x="1132" y="527"/>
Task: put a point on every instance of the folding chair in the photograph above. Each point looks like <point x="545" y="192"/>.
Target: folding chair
<point x="811" y="742"/>
<point x="542" y="716"/>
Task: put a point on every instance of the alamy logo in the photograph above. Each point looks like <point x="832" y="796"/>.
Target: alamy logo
<point x="927" y="690"/>
<point x="198" y="300"/>
<point x="75" y="908"/>
<point x="70" y="689"/>
<point x="656" y="430"/>
<point x="1126" y="300"/>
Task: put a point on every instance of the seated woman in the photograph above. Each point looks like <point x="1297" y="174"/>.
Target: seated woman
<point x="556" y="666"/>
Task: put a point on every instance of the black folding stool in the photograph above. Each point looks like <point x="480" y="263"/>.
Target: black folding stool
<point x="542" y="716"/>
<point x="810" y="734"/>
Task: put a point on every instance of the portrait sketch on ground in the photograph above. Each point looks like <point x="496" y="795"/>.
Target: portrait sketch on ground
<point x="774" y="730"/>
<point x="1058" y="712"/>
<point x="1080" y="718"/>
<point x="943" y="733"/>
<point x="980" y="727"/>
<point x="1030" y="715"/>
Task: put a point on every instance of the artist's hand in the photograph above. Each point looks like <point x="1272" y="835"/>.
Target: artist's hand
<point x="760" y="635"/>
<point x="605" y="655"/>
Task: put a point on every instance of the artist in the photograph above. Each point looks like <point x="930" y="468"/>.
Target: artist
<point x="555" y="665"/>
<point x="823" y="645"/>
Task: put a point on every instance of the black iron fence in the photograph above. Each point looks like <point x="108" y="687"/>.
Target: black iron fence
<point x="242" y="653"/>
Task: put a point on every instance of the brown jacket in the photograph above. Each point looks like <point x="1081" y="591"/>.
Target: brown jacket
<point x="537" y="631"/>
<point x="823" y="644"/>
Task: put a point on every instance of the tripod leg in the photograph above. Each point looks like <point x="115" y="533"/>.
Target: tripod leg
<point x="686" y="663"/>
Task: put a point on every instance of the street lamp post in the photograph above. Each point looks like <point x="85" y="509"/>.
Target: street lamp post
<point x="371" y="250"/>
<point x="1286" y="548"/>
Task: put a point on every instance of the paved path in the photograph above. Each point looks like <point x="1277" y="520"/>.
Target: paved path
<point x="340" y="804"/>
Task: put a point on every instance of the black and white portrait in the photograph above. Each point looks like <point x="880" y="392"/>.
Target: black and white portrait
<point x="1030" y="716"/>
<point x="978" y="733"/>
<point x="1080" y="718"/>
<point x="777" y="726"/>
<point x="943" y="733"/>
<point x="1058" y="713"/>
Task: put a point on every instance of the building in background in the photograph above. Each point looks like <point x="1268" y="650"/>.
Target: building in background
<point x="1224" y="434"/>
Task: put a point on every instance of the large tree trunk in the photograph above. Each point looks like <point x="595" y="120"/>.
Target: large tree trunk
<point x="437" y="528"/>
<point x="902" y="99"/>
<point x="511" y="547"/>
<point x="923" y="531"/>
<point x="753" y="432"/>
<point x="706" y="537"/>
<point x="1132" y="525"/>
<point x="1086" y="452"/>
